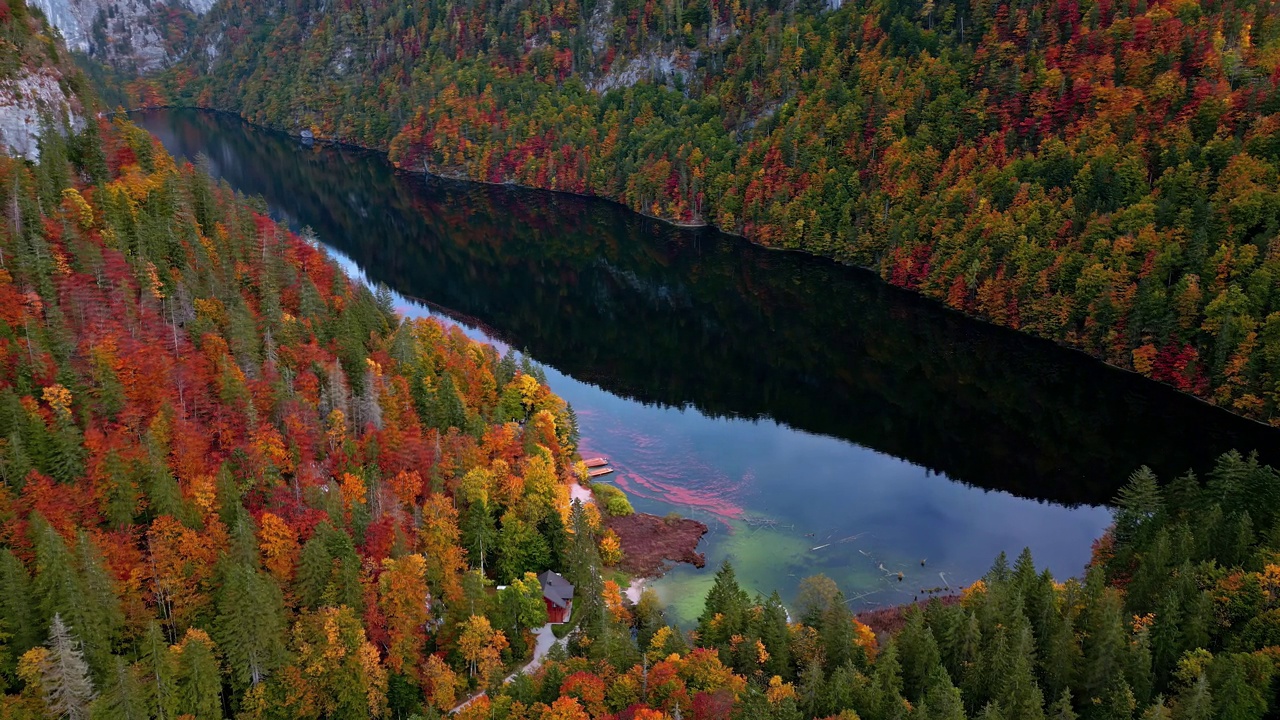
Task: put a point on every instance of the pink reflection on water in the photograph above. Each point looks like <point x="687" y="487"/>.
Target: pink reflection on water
<point x="651" y="467"/>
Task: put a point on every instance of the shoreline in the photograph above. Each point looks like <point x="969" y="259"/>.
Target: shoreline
<point x="639" y="580"/>
<point x="709" y="226"/>
<point x="635" y="589"/>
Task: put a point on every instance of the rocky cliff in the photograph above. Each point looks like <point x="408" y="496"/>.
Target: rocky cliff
<point x="39" y="87"/>
<point x="31" y="102"/>
<point x="135" y="34"/>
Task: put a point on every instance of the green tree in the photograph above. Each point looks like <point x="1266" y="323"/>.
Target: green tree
<point x="17" y="614"/>
<point x="918" y="653"/>
<point x="583" y="572"/>
<point x="479" y="533"/>
<point x="520" y="549"/>
<point x="198" y="682"/>
<point x="250" y="624"/>
<point x="724" y="611"/>
<point x="1062" y="709"/>
<point x="81" y="592"/>
<point x="158" y="673"/>
<point x="941" y="698"/>
<point x="521" y="607"/>
<point x="123" y="696"/>
<point x="1242" y="686"/>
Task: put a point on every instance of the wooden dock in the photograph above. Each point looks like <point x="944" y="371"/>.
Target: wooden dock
<point x="595" y="462"/>
<point x="599" y="471"/>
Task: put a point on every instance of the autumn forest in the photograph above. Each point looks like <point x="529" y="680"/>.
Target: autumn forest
<point x="1103" y="174"/>
<point x="236" y="483"/>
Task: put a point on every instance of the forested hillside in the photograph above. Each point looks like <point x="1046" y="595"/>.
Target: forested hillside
<point x="1100" y="173"/>
<point x="232" y="480"/>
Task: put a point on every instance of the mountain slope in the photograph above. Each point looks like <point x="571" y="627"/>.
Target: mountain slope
<point x="231" y="479"/>
<point x="1102" y="174"/>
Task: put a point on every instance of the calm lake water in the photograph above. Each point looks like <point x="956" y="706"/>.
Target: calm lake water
<point x="817" y="420"/>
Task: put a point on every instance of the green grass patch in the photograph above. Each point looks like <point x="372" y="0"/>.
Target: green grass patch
<point x="612" y="499"/>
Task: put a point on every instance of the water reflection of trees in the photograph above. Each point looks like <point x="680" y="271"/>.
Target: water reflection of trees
<point x="696" y="319"/>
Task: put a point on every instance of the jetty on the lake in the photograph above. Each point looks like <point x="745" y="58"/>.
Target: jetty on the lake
<point x="595" y="462"/>
<point x="599" y="471"/>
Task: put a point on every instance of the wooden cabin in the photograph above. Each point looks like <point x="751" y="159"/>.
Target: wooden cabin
<point x="557" y="593"/>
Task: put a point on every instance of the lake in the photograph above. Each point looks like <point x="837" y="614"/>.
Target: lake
<point x="818" y="420"/>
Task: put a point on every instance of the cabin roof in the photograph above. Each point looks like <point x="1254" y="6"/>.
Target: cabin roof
<point x="555" y="588"/>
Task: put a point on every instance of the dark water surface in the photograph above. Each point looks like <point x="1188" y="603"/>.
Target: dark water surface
<point x="816" y="419"/>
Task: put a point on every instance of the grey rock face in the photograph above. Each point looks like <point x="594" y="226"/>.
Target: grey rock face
<point x="25" y="100"/>
<point x="121" y="32"/>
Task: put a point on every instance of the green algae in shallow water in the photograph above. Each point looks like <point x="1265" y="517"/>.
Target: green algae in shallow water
<point x="765" y="558"/>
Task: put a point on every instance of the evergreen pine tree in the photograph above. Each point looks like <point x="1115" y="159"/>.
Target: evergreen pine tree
<point x="813" y="690"/>
<point x="123" y="697"/>
<point x="918" y="653"/>
<point x="446" y="408"/>
<point x="86" y="153"/>
<point x="250" y="624"/>
<point x="64" y="675"/>
<point x="17" y="614"/>
<point x="551" y="527"/>
<point x="723" y="611"/>
<point x="583" y="572"/>
<point x="1159" y="710"/>
<point x="56" y="586"/>
<point x="942" y="699"/>
<point x="771" y="627"/>
<point x="999" y="574"/>
<point x="506" y="368"/>
<point x="315" y="565"/>
<point x="158" y="674"/>
<point x="101" y="613"/>
<point x="839" y="636"/>
<point x="1061" y="658"/>
<point x="1106" y="646"/>
<point x="86" y="602"/>
<point x="1019" y="695"/>
<point x="1242" y="686"/>
<point x="199" y="685"/>
<point x="1062" y="709"/>
<point x="887" y="681"/>
<point x="1138" y="670"/>
<point x="1137" y="502"/>
<point x="479" y="534"/>
<point x="51" y="171"/>
<point x="1117" y="704"/>
<point x="992" y="711"/>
